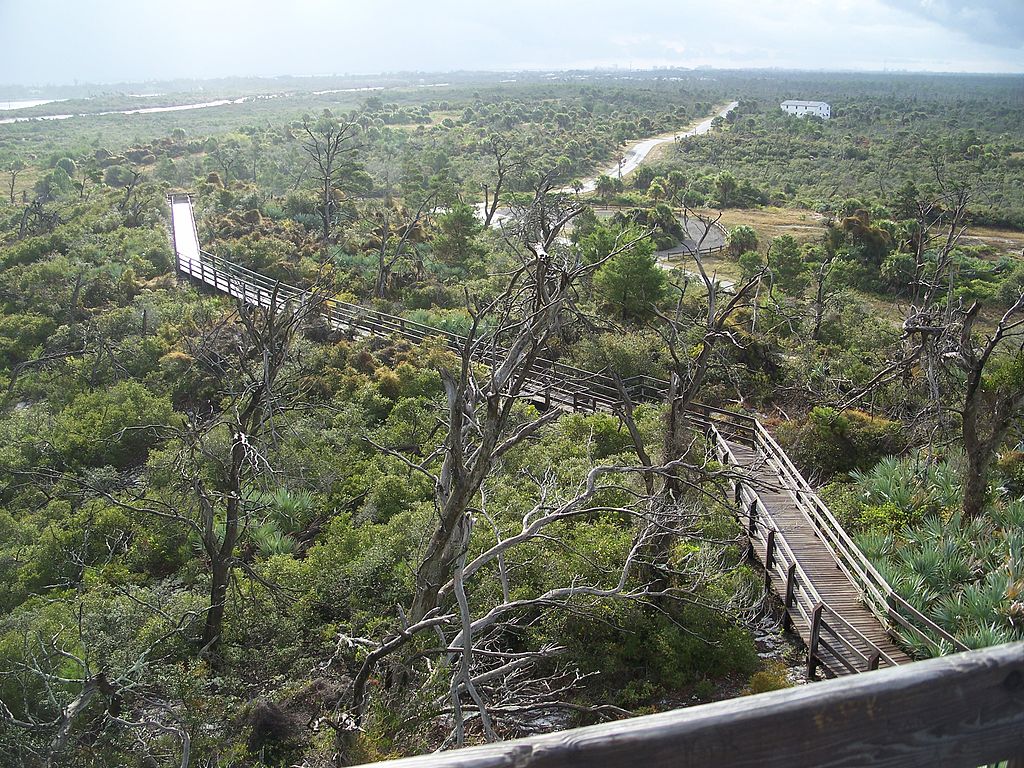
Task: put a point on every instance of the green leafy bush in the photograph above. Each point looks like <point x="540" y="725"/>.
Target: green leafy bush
<point x="773" y="677"/>
<point x="830" y="442"/>
<point x="113" y="426"/>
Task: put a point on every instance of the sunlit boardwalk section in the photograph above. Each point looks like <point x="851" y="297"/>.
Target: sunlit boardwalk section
<point x="845" y="611"/>
<point x="183" y="230"/>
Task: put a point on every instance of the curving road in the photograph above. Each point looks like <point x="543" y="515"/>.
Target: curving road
<point x="632" y="158"/>
<point x="638" y="152"/>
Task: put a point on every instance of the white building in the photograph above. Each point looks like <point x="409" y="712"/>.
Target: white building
<point x="802" y="108"/>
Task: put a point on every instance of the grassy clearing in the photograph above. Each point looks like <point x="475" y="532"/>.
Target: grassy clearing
<point x="1006" y="242"/>
<point x="769" y="223"/>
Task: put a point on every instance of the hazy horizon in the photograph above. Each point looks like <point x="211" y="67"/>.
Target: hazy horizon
<point x="525" y="70"/>
<point x="112" y="41"/>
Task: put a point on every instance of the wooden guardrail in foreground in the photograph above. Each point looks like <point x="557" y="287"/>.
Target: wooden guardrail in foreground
<point x="959" y="711"/>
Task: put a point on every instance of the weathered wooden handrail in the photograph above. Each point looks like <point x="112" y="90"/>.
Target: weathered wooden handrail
<point x="963" y="710"/>
<point x="801" y="597"/>
<point x="567" y="383"/>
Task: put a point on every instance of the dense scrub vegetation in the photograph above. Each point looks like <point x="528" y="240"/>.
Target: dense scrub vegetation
<point x="218" y="524"/>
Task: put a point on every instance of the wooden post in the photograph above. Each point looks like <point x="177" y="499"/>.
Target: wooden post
<point x="812" y="647"/>
<point x="547" y="396"/>
<point x="752" y="518"/>
<point x="769" y="560"/>
<point x="873" y="660"/>
<point x="575" y="400"/>
<point x="787" y="620"/>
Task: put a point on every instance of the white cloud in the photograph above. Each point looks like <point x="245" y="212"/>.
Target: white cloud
<point x="114" y="40"/>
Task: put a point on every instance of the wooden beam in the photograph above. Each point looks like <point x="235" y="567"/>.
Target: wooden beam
<point x="963" y="710"/>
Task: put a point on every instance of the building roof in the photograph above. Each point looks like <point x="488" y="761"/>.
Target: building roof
<point x="799" y="103"/>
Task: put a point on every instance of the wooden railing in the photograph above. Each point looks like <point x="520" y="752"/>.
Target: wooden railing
<point x="552" y="383"/>
<point x="832" y="646"/>
<point x="958" y="711"/>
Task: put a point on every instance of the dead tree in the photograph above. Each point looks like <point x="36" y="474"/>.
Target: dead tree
<point x="688" y="370"/>
<point x="249" y="352"/>
<point x="261" y="352"/>
<point x="497" y="687"/>
<point x="527" y="314"/>
<point x="992" y="404"/>
<point x="229" y="157"/>
<point x="493" y="369"/>
<point x="328" y="143"/>
<point x="822" y="293"/>
<point x="394" y="236"/>
<point x="94" y="695"/>
<point x="981" y="381"/>
<point x="500" y="148"/>
<point x="965" y="381"/>
<point x="13" y="171"/>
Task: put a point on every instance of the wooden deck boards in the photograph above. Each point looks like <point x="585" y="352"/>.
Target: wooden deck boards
<point x="832" y="584"/>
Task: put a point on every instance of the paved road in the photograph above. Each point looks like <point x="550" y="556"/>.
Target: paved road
<point x="638" y="152"/>
<point x="633" y="157"/>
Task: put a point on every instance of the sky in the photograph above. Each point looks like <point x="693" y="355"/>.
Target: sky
<point x="106" y="41"/>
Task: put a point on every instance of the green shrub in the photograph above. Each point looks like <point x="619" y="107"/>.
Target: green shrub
<point x="886" y="517"/>
<point x="113" y="426"/>
<point x="630" y="353"/>
<point x="829" y="442"/>
<point x="1010" y="467"/>
<point x="772" y="678"/>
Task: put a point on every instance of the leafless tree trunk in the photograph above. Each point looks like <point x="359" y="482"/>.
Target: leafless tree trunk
<point x="688" y="373"/>
<point x="394" y="234"/>
<point x="494" y="369"/>
<point x="500" y="148"/>
<point x="941" y="351"/>
<point x="821" y="294"/>
<point x="251" y="355"/>
<point x="989" y="410"/>
<point x="227" y="154"/>
<point x="266" y="341"/>
<point x="328" y="142"/>
<point x="14" y="170"/>
<point x="108" y="699"/>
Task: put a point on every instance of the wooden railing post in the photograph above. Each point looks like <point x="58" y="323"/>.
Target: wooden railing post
<point x="752" y="518"/>
<point x="769" y="554"/>
<point x="812" y="646"/>
<point x="787" y="619"/>
<point x="873" y="660"/>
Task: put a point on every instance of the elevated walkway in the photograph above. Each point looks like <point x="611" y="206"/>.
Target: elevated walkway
<point x="846" y="613"/>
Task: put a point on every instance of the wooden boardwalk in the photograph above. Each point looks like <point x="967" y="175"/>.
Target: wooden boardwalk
<point x="844" y="610"/>
<point x="865" y="636"/>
